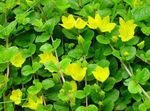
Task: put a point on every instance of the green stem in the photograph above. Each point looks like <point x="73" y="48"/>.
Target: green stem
<point x="59" y="71"/>
<point x="86" y="99"/>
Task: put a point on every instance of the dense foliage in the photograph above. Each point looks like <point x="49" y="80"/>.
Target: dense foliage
<point x="74" y="55"/>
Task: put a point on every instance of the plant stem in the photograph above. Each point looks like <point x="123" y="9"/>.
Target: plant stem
<point x="59" y="71"/>
<point x="143" y="59"/>
<point x="86" y="99"/>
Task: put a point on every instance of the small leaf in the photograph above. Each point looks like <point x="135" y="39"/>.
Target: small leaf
<point x="43" y="37"/>
<point x="26" y="70"/>
<point x="142" y="76"/>
<point x="92" y="108"/>
<point x="128" y="52"/>
<point x="75" y="53"/>
<point x="147" y="54"/>
<point x="56" y="43"/>
<point x="133" y="87"/>
<point x="46" y="48"/>
<point x="48" y="83"/>
<point x="102" y="39"/>
<point x="80" y="94"/>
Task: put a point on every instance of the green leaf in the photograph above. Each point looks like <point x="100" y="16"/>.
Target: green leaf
<point x="104" y="63"/>
<point x="75" y="53"/>
<point x="30" y="51"/>
<point x="63" y="5"/>
<point x="146" y="30"/>
<point x="109" y="84"/>
<point x="70" y="34"/>
<point x="133" y="87"/>
<point x="56" y="43"/>
<point x="43" y="37"/>
<point x="36" y="66"/>
<point x="80" y="108"/>
<point x="50" y="24"/>
<point x="130" y="50"/>
<point x="64" y="63"/>
<point x="61" y="106"/>
<point x="7" y="53"/>
<point x="36" y="88"/>
<point x="87" y="90"/>
<point x="80" y="94"/>
<point x="33" y="90"/>
<point x="25" y="40"/>
<point x="141" y="13"/>
<point x="48" y="83"/>
<point x="3" y="81"/>
<point x="9" y="29"/>
<point x="46" y="48"/>
<point x="92" y="108"/>
<point x="147" y="54"/>
<point x="26" y="70"/>
<point x="102" y="39"/>
<point x="50" y="67"/>
<point x="142" y="76"/>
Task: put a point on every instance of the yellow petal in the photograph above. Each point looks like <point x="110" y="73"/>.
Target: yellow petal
<point x="47" y="57"/>
<point x="106" y="26"/>
<point x="76" y="71"/>
<point x="92" y="23"/>
<point x="80" y="24"/>
<point x="101" y="74"/>
<point x="16" y="96"/>
<point x="17" y="60"/>
<point x="98" y="19"/>
<point x="68" y="22"/>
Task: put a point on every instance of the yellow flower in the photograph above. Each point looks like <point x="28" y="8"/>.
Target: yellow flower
<point x="68" y="22"/>
<point x="93" y="22"/>
<point x="101" y="74"/>
<point x="80" y="24"/>
<point x="17" y="60"/>
<point x="16" y="96"/>
<point x="103" y="24"/>
<point x="126" y="29"/>
<point x="47" y="57"/>
<point x="33" y="103"/>
<point x="76" y="71"/>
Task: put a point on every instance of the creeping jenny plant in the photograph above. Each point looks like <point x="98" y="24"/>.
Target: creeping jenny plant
<point x="74" y="55"/>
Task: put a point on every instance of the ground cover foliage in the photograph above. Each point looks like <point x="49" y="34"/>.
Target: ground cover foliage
<point x="74" y="55"/>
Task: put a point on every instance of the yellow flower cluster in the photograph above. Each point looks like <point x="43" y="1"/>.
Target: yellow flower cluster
<point x="103" y="24"/>
<point x="126" y="29"/>
<point x="70" y="22"/>
<point x="16" y="96"/>
<point x="78" y="73"/>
